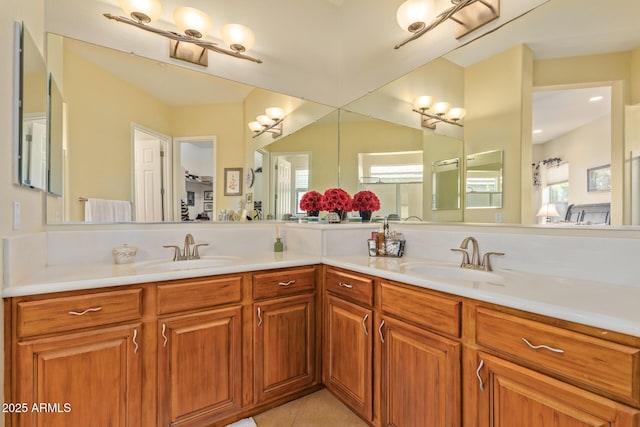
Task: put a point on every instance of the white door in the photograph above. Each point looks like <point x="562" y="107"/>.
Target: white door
<point x="148" y="180"/>
<point x="283" y="188"/>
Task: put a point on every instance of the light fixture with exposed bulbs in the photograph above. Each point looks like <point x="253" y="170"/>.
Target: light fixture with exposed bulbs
<point x="270" y="122"/>
<point x="194" y="24"/>
<point x="417" y="16"/>
<point x="433" y="113"/>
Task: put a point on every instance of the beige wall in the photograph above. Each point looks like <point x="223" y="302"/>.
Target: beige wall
<point x="495" y="99"/>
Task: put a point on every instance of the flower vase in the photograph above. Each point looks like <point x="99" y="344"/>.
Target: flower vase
<point x="366" y="216"/>
<point x="313" y="213"/>
<point x="342" y="214"/>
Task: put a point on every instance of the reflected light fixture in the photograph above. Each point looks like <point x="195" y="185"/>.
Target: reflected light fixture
<point x="194" y="24"/>
<point x="434" y="113"/>
<point x="417" y="16"/>
<point x="270" y="122"/>
<point x="547" y="211"/>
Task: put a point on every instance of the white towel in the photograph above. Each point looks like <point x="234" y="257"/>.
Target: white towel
<point x="100" y="210"/>
<point x="246" y="422"/>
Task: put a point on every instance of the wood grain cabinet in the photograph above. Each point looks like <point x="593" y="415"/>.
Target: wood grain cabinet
<point x="284" y="333"/>
<point x="348" y="339"/>
<point x="199" y="351"/>
<point x="530" y="373"/>
<point x="91" y="373"/>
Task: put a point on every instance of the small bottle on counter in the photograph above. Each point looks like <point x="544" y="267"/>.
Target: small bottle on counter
<point x="381" y="248"/>
<point x="278" y="246"/>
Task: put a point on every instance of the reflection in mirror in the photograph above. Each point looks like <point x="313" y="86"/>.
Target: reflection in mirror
<point x="484" y="180"/>
<point x="32" y="148"/>
<point x="446" y="184"/>
<point x="55" y="146"/>
<point x="195" y="178"/>
<point x="111" y="98"/>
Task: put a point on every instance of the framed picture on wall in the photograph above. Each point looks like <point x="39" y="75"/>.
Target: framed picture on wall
<point x="232" y="181"/>
<point x="208" y="195"/>
<point x="599" y="179"/>
<point x="208" y="206"/>
<point x="248" y="198"/>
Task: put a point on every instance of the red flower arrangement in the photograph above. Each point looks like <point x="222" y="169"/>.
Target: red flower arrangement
<point x="311" y="201"/>
<point x="365" y="200"/>
<point x="335" y="199"/>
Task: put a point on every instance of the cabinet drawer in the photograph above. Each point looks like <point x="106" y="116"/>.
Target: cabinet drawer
<point x="77" y="312"/>
<point x="594" y="363"/>
<point x="430" y="311"/>
<point x="349" y="285"/>
<point x="198" y="293"/>
<point x="283" y="282"/>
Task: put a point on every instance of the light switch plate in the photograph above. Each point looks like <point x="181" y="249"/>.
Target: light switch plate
<point x="16" y="215"/>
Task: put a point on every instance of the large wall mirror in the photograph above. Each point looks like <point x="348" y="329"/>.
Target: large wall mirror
<point x="32" y="127"/>
<point x="150" y="142"/>
<point x="544" y="86"/>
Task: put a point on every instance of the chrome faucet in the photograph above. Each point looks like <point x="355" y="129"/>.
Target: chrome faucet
<point x="189" y="251"/>
<point x="474" y="261"/>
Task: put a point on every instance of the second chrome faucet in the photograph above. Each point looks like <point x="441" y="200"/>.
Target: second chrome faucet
<point x="474" y="262"/>
<point x="189" y="251"/>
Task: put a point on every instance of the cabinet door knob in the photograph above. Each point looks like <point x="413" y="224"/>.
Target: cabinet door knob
<point x="481" y="384"/>
<point x="259" y="317"/>
<point x="364" y="324"/>
<point x="135" y="335"/>
<point x="380" y="332"/>
<point x="88" y="310"/>
<point x="542" y="346"/>
<point x="164" y="329"/>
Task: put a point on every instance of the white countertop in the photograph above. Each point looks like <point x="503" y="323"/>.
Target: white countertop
<point x="602" y="305"/>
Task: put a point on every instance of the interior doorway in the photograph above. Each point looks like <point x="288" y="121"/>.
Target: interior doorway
<point x="290" y="180"/>
<point x="151" y="194"/>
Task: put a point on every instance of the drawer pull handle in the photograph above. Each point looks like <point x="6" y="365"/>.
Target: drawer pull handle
<point x="481" y="384"/>
<point x="546" y="347"/>
<point x="88" y="310"/>
<point x="164" y="329"/>
<point x="259" y="317"/>
<point x="135" y="335"/>
<point x="289" y="283"/>
<point x="364" y="324"/>
<point x="380" y="332"/>
<point x="345" y="285"/>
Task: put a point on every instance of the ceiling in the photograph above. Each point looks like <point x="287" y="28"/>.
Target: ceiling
<point x="334" y="51"/>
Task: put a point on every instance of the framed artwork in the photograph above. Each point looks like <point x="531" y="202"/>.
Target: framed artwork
<point x="208" y="206"/>
<point x="248" y="198"/>
<point x="599" y="179"/>
<point x="208" y="195"/>
<point x="232" y="181"/>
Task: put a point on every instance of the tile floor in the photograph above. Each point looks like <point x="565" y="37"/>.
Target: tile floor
<point x="320" y="409"/>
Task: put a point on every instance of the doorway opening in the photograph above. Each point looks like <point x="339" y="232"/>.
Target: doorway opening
<point x="291" y="179"/>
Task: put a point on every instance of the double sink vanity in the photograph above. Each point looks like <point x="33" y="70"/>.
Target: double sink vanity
<point x="410" y="341"/>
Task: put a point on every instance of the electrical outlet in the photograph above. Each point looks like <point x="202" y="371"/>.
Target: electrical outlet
<point x="16" y="215"/>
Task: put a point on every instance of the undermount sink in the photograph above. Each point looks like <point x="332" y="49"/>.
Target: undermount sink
<point x="453" y="272"/>
<point x="204" y="262"/>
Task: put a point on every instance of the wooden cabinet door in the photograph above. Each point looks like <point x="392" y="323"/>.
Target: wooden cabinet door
<point x="420" y="377"/>
<point x="84" y="379"/>
<point x="510" y="395"/>
<point x="284" y="331"/>
<point x="199" y="367"/>
<point x="348" y="357"/>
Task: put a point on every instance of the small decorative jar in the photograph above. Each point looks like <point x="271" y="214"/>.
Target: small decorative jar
<point x="124" y="254"/>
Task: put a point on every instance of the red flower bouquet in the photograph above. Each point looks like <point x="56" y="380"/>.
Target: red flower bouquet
<point x="365" y="200"/>
<point x="311" y="201"/>
<point x="336" y="199"/>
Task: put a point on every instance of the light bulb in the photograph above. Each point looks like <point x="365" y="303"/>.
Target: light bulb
<point x="457" y="113"/>
<point x="275" y="113"/>
<point x="264" y="120"/>
<point x="238" y="37"/>
<point x="423" y="102"/>
<point x="142" y="10"/>
<point x="441" y="108"/>
<point x="255" y="126"/>
<point x="193" y="22"/>
<point x="413" y="15"/>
